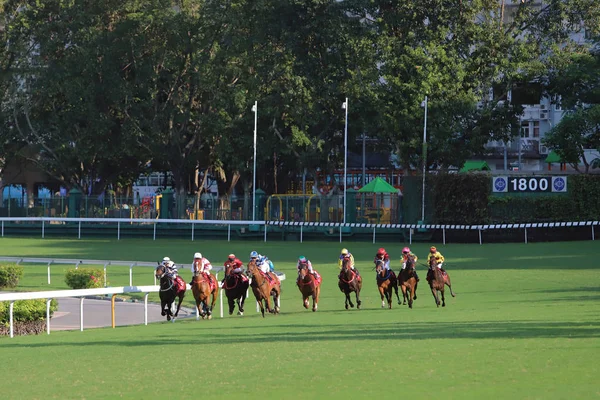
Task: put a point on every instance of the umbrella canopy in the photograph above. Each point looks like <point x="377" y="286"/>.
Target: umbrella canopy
<point x="378" y="185"/>
<point x="553" y="157"/>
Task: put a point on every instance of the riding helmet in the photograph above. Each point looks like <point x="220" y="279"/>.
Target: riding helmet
<point x="198" y="255"/>
<point x="381" y="251"/>
<point x="432" y="249"/>
<point x="301" y="259"/>
<point x="344" y="252"/>
<point x="405" y="250"/>
<point x="166" y="259"/>
<point x="254" y="254"/>
<point x="231" y="257"/>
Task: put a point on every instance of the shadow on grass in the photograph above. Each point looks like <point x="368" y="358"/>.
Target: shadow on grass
<point x="351" y="332"/>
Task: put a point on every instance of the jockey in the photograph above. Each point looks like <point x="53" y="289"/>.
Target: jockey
<point x="261" y="261"/>
<point x="236" y="263"/>
<point x="383" y="256"/>
<point x="405" y="254"/>
<point x="439" y="258"/>
<point x="170" y="268"/>
<point x="305" y="262"/>
<point x="200" y="265"/>
<point x="345" y="254"/>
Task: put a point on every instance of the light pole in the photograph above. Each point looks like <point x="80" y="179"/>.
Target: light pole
<point x="424" y="104"/>
<point x="255" y="109"/>
<point x="345" y="107"/>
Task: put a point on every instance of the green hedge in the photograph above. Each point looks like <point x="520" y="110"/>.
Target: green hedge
<point x="467" y="199"/>
<point x="85" y="278"/>
<point x="10" y="274"/>
<point x="29" y="316"/>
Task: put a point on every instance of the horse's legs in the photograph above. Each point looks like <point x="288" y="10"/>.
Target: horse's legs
<point x="382" y="294"/>
<point x="435" y="296"/>
<point x="212" y="303"/>
<point x="404" y="295"/>
<point x="396" y="290"/>
<point x="414" y="291"/>
<point x="443" y="299"/>
<point x="178" y="305"/>
<point x="348" y="301"/>
<point x="163" y="312"/>
<point x="315" y="298"/>
<point x="262" y="308"/>
<point x="230" y="302"/>
<point x="276" y="294"/>
<point x="389" y="296"/>
<point x="241" y="303"/>
<point x="449" y="284"/>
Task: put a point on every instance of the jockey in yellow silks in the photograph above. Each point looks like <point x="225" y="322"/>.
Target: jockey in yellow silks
<point x="439" y="258"/>
<point x="345" y="254"/>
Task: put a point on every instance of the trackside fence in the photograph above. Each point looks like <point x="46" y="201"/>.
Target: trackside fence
<point x="262" y="228"/>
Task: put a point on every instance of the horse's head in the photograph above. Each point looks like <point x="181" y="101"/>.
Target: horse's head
<point x="379" y="267"/>
<point x="159" y="272"/>
<point x="303" y="270"/>
<point x="251" y="267"/>
<point x="346" y="264"/>
<point x="433" y="262"/>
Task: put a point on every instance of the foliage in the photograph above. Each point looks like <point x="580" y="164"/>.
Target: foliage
<point x="26" y="310"/>
<point x="85" y="278"/>
<point x="461" y="198"/>
<point x="10" y="274"/>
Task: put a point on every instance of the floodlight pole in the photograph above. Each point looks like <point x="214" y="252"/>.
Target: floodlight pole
<point x="255" y="109"/>
<point x="424" y="160"/>
<point x="345" y="107"/>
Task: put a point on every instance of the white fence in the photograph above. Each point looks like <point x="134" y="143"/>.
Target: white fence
<point x="341" y="227"/>
<point x="81" y="293"/>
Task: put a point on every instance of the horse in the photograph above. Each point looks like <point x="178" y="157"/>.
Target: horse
<point x="263" y="288"/>
<point x="386" y="282"/>
<point x="350" y="281"/>
<point x="204" y="285"/>
<point x="236" y="287"/>
<point x="309" y="286"/>
<point x="168" y="293"/>
<point x="437" y="280"/>
<point x="407" y="279"/>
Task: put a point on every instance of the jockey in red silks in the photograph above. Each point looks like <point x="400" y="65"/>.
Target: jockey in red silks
<point x="383" y="256"/>
<point x="238" y="267"/>
<point x="405" y="254"/>
<point x="305" y="262"/>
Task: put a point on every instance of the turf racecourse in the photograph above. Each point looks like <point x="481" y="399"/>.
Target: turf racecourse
<point x="524" y="325"/>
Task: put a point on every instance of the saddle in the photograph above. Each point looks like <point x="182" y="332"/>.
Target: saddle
<point x="180" y="285"/>
<point x="212" y="281"/>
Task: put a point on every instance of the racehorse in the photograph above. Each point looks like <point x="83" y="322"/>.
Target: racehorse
<point x="309" y="286"/>
<point x="350" y="281"/>
<point x="168" y="293"/>
<point x="437" y="280"/>
<point x="263" y="288"/>
<point x="407" y="279"/>
<point x="204" y="285"/>
<point x="386" y="282"/>
<point x="236" y="286"/>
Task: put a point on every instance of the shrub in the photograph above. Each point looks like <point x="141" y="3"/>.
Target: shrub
<point x="85" y="278"/>
<point x="10" y="274"/>
<point x="29" y="316"/>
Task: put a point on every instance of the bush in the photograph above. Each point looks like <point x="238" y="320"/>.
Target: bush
<point x="29" y="316"/>
<point x="10" y="274"/>
<point x="85" y="278"/>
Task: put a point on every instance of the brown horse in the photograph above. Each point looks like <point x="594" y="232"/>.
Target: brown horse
<point x="263" y="288"/>
<point x="350" y="281"/>
<point x="236" y="286"/>
<point x="309" y="286"/>
<point x="437" y="280"/>
<point x="168" y="293"/>
<point x="386" y="282"/>
<point x="408" y="281"/>
<point x="203" y="286"/>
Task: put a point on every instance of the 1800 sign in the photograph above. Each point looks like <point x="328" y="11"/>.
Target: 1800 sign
<point x="530" y="184"/>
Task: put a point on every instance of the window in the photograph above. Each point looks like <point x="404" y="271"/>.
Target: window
<point x="525" y="129"/>
<point x="536" y="129"/>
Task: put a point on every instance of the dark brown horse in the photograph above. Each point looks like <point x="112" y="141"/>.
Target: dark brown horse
<point x="407" y="279"/>
<point x="204" y="285"/>
<point x="263" y="288"/>
<point x="309" y="286"/>
<point x="386" y="282"/>
<point x="168" y="292"/>
<point x="350" y="281"/>
<point x="437" y="280"/>
<point x="236" y="287"/>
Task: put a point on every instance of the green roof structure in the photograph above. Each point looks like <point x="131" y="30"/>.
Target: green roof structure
<point x="378" y="185"/>
<point x="475" y="165"/>
<point x="553" y="157"/>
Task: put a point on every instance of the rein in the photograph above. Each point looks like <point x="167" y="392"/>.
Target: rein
<point x="169" y="288"/>
<point x="350" y="281"/>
